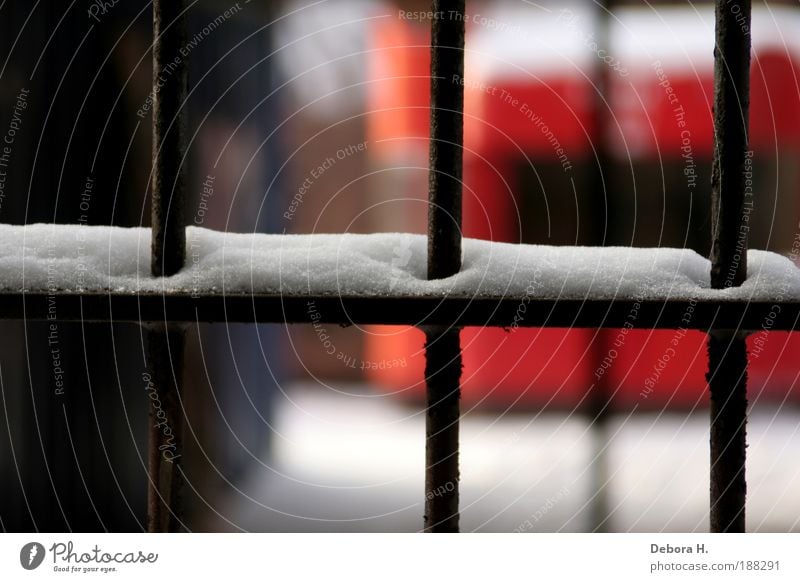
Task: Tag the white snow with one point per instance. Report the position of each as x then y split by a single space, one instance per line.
46 257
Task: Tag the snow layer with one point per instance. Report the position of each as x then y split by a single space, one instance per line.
45 257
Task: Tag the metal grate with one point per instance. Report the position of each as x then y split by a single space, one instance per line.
726 321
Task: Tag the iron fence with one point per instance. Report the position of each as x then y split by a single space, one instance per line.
165 315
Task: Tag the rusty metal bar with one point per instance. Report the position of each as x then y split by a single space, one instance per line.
598 407
165 344
731 206
442 348
434 310
165 341
443 375
446 139
169 137
727 355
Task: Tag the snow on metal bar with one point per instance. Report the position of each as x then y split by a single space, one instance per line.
85 259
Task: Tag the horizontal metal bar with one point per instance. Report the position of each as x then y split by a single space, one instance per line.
404 310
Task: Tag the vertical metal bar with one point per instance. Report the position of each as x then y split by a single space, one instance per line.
442 348
165 342
447 139
731 124
727 378
599 406
727 353
169 137
443 374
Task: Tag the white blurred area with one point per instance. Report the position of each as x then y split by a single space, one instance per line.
348 460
